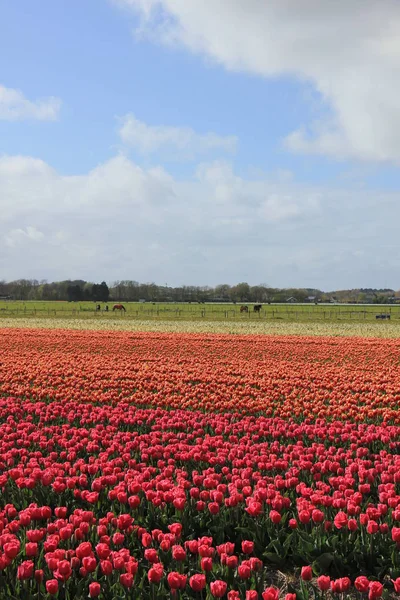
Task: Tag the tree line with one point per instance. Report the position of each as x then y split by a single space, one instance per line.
133 291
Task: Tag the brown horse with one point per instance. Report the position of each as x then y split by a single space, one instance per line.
244 309
119 307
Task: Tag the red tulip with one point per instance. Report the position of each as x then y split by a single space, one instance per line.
271 593
176 581
25 570
94 589
197 582
340 585
375 590
178 553
52 586
84 549
324 583
206 564
306 573
126 580
254 509
244 570
361 583
372 527
106 567
340 520
39 575
218 588
31 549
232 562
247 547
275 517
155 573
396 534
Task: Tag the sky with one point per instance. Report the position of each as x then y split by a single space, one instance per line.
190 142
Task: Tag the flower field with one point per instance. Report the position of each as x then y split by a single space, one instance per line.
175 465
384 329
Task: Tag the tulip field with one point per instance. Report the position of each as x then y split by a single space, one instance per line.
202 465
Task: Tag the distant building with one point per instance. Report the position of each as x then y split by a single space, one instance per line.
311 298
291 299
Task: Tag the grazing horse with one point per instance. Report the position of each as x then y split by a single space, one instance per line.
257 307
119 307
244 309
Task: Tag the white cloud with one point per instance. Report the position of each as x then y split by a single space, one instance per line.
348 51
16 237
120 221
183 141
15 107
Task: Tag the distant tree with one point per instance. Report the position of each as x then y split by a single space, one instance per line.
223 291
100 292
105 292
74 293
95 294
259 293
87 291
241 292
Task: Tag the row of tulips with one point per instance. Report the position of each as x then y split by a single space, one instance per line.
77 555
277 327
334 378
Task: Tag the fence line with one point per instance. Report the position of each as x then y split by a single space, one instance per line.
275 313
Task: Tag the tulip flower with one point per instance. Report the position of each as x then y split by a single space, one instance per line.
52 587
218 588
94 589
197 582
324 583
271 593
306 573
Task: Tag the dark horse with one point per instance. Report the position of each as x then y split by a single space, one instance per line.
119 307
244 309
257 307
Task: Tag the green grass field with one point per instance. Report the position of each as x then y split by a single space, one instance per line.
194 311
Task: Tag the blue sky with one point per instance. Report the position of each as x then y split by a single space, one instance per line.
197 143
